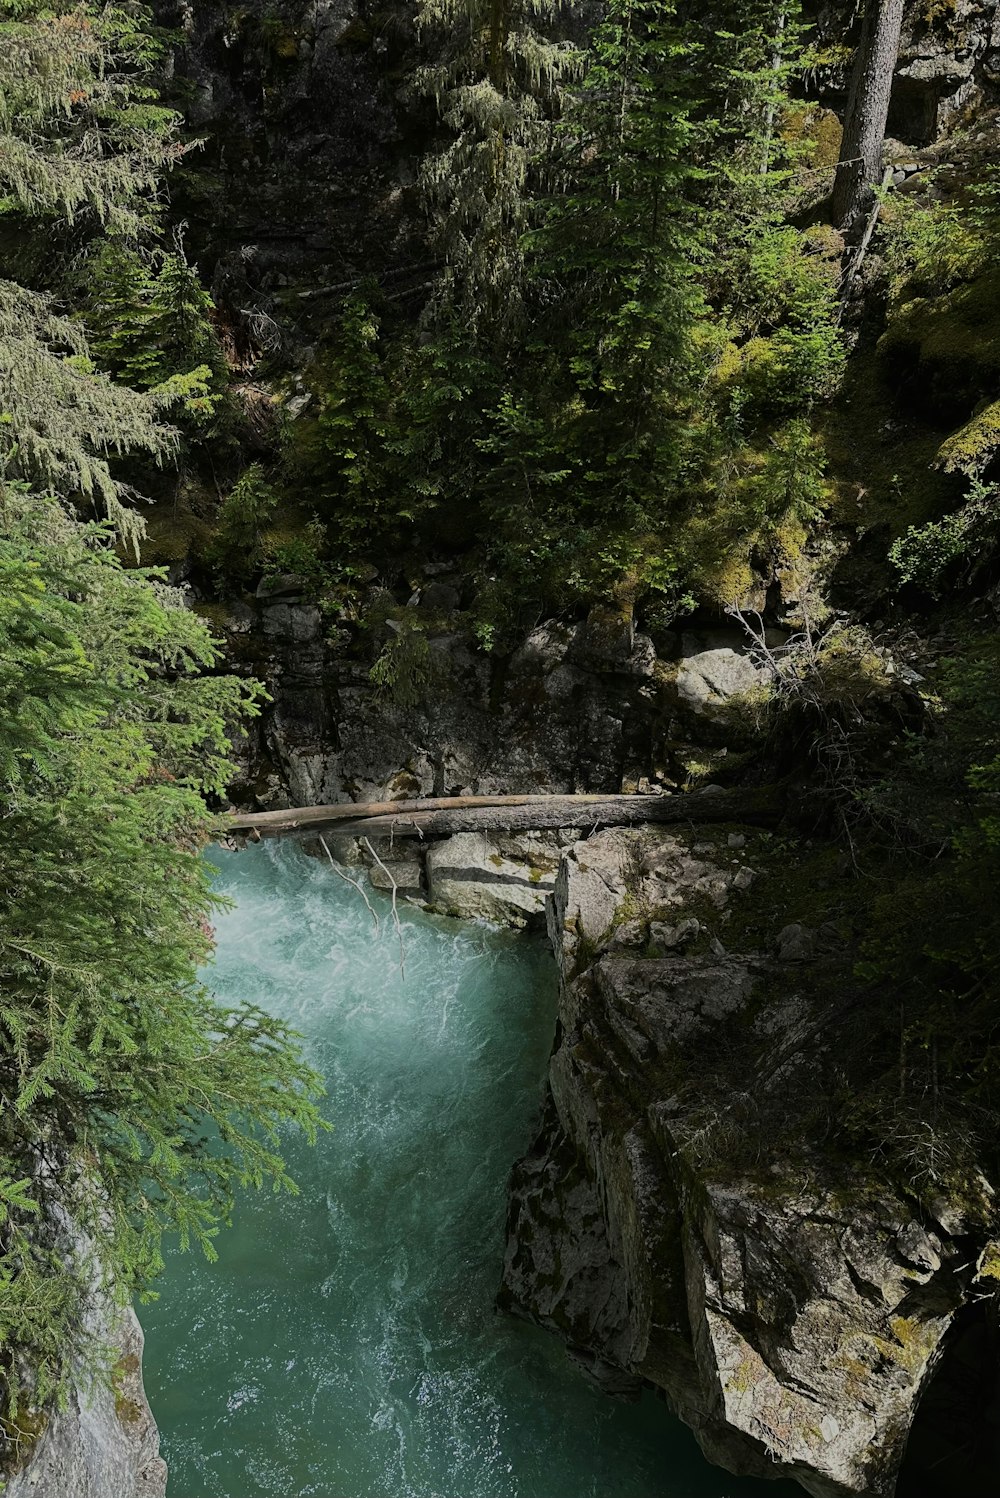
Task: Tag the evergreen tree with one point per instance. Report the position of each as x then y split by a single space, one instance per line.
620 239
494 77
83 142
586 440
61 422
149 324
82 134
132 1103
116 1065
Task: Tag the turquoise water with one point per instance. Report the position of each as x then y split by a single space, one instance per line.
346 1345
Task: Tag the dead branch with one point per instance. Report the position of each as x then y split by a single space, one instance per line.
355 884
443 816
395 911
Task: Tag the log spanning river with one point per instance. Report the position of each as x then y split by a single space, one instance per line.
346 1345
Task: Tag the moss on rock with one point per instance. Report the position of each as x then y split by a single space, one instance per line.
947 349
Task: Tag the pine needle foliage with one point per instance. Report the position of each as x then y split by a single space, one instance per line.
83 145
82 134
149 321
495 76
620 237
579 478
62 422
132 1101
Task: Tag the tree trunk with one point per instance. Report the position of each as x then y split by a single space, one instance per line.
447 815
860 169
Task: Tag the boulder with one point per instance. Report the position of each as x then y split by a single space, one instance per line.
674 938
796 944
717 665
628 878
506 880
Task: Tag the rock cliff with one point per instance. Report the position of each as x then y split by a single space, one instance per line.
591 706
681 1222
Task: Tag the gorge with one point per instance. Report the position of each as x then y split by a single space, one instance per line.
348 1341
566 441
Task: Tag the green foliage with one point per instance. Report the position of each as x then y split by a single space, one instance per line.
494 77
928 249
354 422
82 134
789 487
61 421
928 554
406 670
622 349
83 143
394 436
148 321
302 555
244 516
148 1102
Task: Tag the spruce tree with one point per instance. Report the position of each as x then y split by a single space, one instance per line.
83 136
494 75
116 1065
83 144
613 277
61 422
133 1104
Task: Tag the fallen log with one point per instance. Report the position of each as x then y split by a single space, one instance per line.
443 816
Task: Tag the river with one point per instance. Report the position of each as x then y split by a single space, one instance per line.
346 1344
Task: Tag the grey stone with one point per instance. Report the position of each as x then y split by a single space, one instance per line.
477 876
286 585
405 875
796 943
919 1247
673 938
298 623
784 1324
104 1444
716 666
440 598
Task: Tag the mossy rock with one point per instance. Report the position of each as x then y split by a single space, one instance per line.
173 533
357 33
946 349
816 131
973 447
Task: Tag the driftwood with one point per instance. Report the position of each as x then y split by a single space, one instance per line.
442 816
